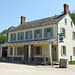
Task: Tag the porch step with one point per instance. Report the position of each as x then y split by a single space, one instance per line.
55 62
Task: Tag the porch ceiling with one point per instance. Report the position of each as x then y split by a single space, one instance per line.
30 41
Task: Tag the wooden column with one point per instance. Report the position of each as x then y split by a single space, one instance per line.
29 53
13 51
50 53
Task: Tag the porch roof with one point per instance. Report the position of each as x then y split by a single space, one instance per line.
31 41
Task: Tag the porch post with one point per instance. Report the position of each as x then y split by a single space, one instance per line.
29 53
50 53
13 51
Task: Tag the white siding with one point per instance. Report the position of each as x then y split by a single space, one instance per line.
68 41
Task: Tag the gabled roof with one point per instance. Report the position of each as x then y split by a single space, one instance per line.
40 22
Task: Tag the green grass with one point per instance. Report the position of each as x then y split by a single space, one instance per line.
72 63
3 58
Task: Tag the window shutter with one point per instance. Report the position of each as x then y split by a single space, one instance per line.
64 33
34 50
22 35
51 31
35 34
40 50
30 34
26 35
14 36
45 31
40 33
18 36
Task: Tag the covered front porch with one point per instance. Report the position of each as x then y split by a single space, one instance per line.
33 51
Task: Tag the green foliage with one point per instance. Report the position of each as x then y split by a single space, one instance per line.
3 38
73 17
72 63
4 35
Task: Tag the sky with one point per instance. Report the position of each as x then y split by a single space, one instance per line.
12 10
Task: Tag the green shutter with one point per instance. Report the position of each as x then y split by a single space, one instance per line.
45 31
40 33
18 36
22 35
51 31
35 34
15 36
26 35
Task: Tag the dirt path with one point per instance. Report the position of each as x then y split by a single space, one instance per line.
19 69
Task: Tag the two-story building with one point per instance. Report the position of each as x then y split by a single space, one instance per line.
37 39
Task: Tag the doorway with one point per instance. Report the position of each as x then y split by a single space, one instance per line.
54 53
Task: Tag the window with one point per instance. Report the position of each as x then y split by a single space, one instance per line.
74 51
38 50
21 36
63 50
11 51
48 32
38 34
63 31
28 35
13 37
65 21
71 23
19 51
73 35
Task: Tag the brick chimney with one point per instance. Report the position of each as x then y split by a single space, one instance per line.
66 9
22 19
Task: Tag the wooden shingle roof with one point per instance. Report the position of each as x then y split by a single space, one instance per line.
38 23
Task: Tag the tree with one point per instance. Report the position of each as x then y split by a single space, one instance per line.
73 17
4 35
3 38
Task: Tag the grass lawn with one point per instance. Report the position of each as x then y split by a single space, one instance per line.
72 63
3 58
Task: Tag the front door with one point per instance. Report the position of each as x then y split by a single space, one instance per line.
54 53
26 52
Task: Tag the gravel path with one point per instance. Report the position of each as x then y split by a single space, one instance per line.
19 69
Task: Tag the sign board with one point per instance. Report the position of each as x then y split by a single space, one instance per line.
61 35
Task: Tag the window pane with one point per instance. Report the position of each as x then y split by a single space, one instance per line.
74 35
37 34
64 50
19 51
48 32
37 50
28 35
21 36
